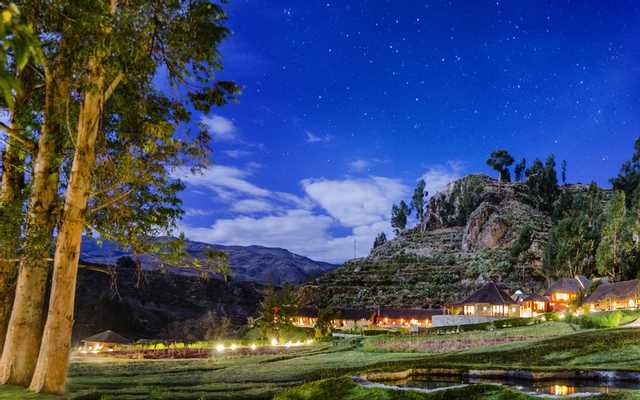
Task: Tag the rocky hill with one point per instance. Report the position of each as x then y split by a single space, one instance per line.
249 263
467 239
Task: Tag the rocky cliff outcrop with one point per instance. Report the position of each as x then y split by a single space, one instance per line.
470 230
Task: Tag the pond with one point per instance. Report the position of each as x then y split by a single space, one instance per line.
550 387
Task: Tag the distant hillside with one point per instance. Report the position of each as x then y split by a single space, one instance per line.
470 231
155 304
249 263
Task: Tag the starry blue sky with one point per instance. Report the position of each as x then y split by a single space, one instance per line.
346 104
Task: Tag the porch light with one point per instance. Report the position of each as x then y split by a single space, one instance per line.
253 347
220 348
274 342
233 347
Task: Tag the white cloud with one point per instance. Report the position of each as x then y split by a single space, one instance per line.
304 224
304 203
438 177
356 202
196 212
237 153
222 128
249 206
359 165
299 231
223 180
314 138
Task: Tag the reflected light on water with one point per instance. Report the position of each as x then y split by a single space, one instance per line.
561 390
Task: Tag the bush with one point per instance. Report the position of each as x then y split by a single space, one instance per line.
609 319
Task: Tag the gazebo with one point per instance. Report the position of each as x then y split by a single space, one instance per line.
104 341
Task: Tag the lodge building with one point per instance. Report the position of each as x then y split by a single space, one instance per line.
388 317
565 291
491 300
614 296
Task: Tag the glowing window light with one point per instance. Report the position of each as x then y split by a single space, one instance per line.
298 343
632 303
253 347
233 347
220 348
274 342
309 341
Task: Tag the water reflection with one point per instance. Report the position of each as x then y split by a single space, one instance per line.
561 390
554 388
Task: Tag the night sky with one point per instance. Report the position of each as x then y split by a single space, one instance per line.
347 104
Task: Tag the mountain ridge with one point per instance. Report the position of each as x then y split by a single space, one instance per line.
252 263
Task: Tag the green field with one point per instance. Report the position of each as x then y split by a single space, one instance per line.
550 346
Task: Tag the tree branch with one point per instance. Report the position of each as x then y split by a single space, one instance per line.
111 202
15 134
112 87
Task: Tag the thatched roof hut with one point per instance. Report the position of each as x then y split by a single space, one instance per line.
106 338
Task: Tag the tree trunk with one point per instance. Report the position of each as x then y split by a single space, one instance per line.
25 326
53 360
11 213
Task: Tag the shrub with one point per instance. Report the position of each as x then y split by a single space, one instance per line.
599 320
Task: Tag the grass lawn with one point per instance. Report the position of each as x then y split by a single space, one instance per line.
263 376
467 340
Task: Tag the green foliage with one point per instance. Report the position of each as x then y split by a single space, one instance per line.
575 235
519 169
523 242
613 244
380 240
500 161
543 182
564 171
324 322
468 193
598 320
277 308
418 200
628 179
573 244
399 215
18 44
